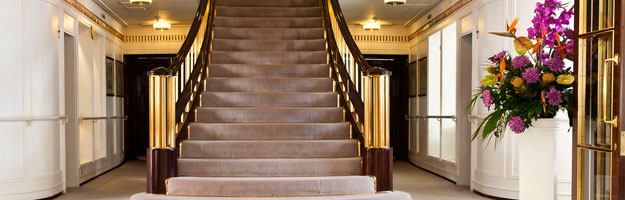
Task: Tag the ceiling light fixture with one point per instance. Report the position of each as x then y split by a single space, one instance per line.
140 2
161 26
373 25
395 2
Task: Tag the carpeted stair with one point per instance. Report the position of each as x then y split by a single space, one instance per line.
269 124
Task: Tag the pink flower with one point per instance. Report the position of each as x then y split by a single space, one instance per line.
554 96
487 98
531 75
520 61
555 64
516 124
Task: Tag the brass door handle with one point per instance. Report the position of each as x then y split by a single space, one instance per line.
615 60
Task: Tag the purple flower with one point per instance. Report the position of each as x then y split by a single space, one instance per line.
516 124
520 61
554 96
546 20
531 75
498 56
569 46
555 64
487 98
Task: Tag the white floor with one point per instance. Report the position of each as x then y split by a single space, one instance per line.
129 179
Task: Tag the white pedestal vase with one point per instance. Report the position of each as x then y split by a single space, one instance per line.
537 160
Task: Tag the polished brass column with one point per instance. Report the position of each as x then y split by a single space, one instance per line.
377 108
161 156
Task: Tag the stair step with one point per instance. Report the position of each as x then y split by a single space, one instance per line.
269 57
269 99
226 11
268 33
270 71
272 3
270 186
269 131
269 22
277 114
268 85
394 195
268 45
269 167
269 148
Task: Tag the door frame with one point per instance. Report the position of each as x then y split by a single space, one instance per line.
617 158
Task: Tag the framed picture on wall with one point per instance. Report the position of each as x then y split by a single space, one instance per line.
412 79
422 76
119 78
110 79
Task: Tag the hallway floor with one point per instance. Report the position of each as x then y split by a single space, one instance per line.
128 179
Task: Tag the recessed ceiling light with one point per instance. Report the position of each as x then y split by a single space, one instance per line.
140 2
161 26
395 2
373 25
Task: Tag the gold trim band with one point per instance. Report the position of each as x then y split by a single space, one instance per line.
451 10
94 18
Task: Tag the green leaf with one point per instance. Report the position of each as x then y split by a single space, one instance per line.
490 126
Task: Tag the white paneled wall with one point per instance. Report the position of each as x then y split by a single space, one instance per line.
38 156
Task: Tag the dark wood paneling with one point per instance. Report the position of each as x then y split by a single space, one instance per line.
379 163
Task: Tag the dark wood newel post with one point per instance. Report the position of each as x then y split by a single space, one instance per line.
377 153
161 155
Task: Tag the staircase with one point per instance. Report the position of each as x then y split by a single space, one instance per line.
269 123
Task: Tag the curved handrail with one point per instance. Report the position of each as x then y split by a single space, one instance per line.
191 36
188 70
347 36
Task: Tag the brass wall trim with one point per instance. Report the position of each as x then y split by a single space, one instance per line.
451 10
154 38
380 38
94 18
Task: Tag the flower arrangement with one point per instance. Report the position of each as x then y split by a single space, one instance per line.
535 83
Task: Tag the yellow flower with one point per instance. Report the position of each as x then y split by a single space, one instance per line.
517 81
489 80
565 79
490 69
548 77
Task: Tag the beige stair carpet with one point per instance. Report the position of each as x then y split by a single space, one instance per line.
269 124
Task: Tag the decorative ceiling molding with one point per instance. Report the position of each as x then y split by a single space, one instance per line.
451 10
94 18
380 38
154 38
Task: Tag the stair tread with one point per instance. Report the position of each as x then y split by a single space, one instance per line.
270 186
333 148
395 195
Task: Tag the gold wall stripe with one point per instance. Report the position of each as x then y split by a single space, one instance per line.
380 38
451 10
94 18
154 38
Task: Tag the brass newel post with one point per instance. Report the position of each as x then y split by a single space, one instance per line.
378 153
161 155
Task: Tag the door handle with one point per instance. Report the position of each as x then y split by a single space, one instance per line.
615 61
622 143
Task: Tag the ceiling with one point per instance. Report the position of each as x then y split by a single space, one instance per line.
362 11
181 12
175 12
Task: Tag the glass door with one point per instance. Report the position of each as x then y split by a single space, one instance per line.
441 98
598 64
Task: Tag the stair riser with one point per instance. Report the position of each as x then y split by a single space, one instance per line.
269 99
268 33
268 167
269 71
269 85
250 22
270 149
268 58
279 131
286 12
268 45
218 115
272 3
